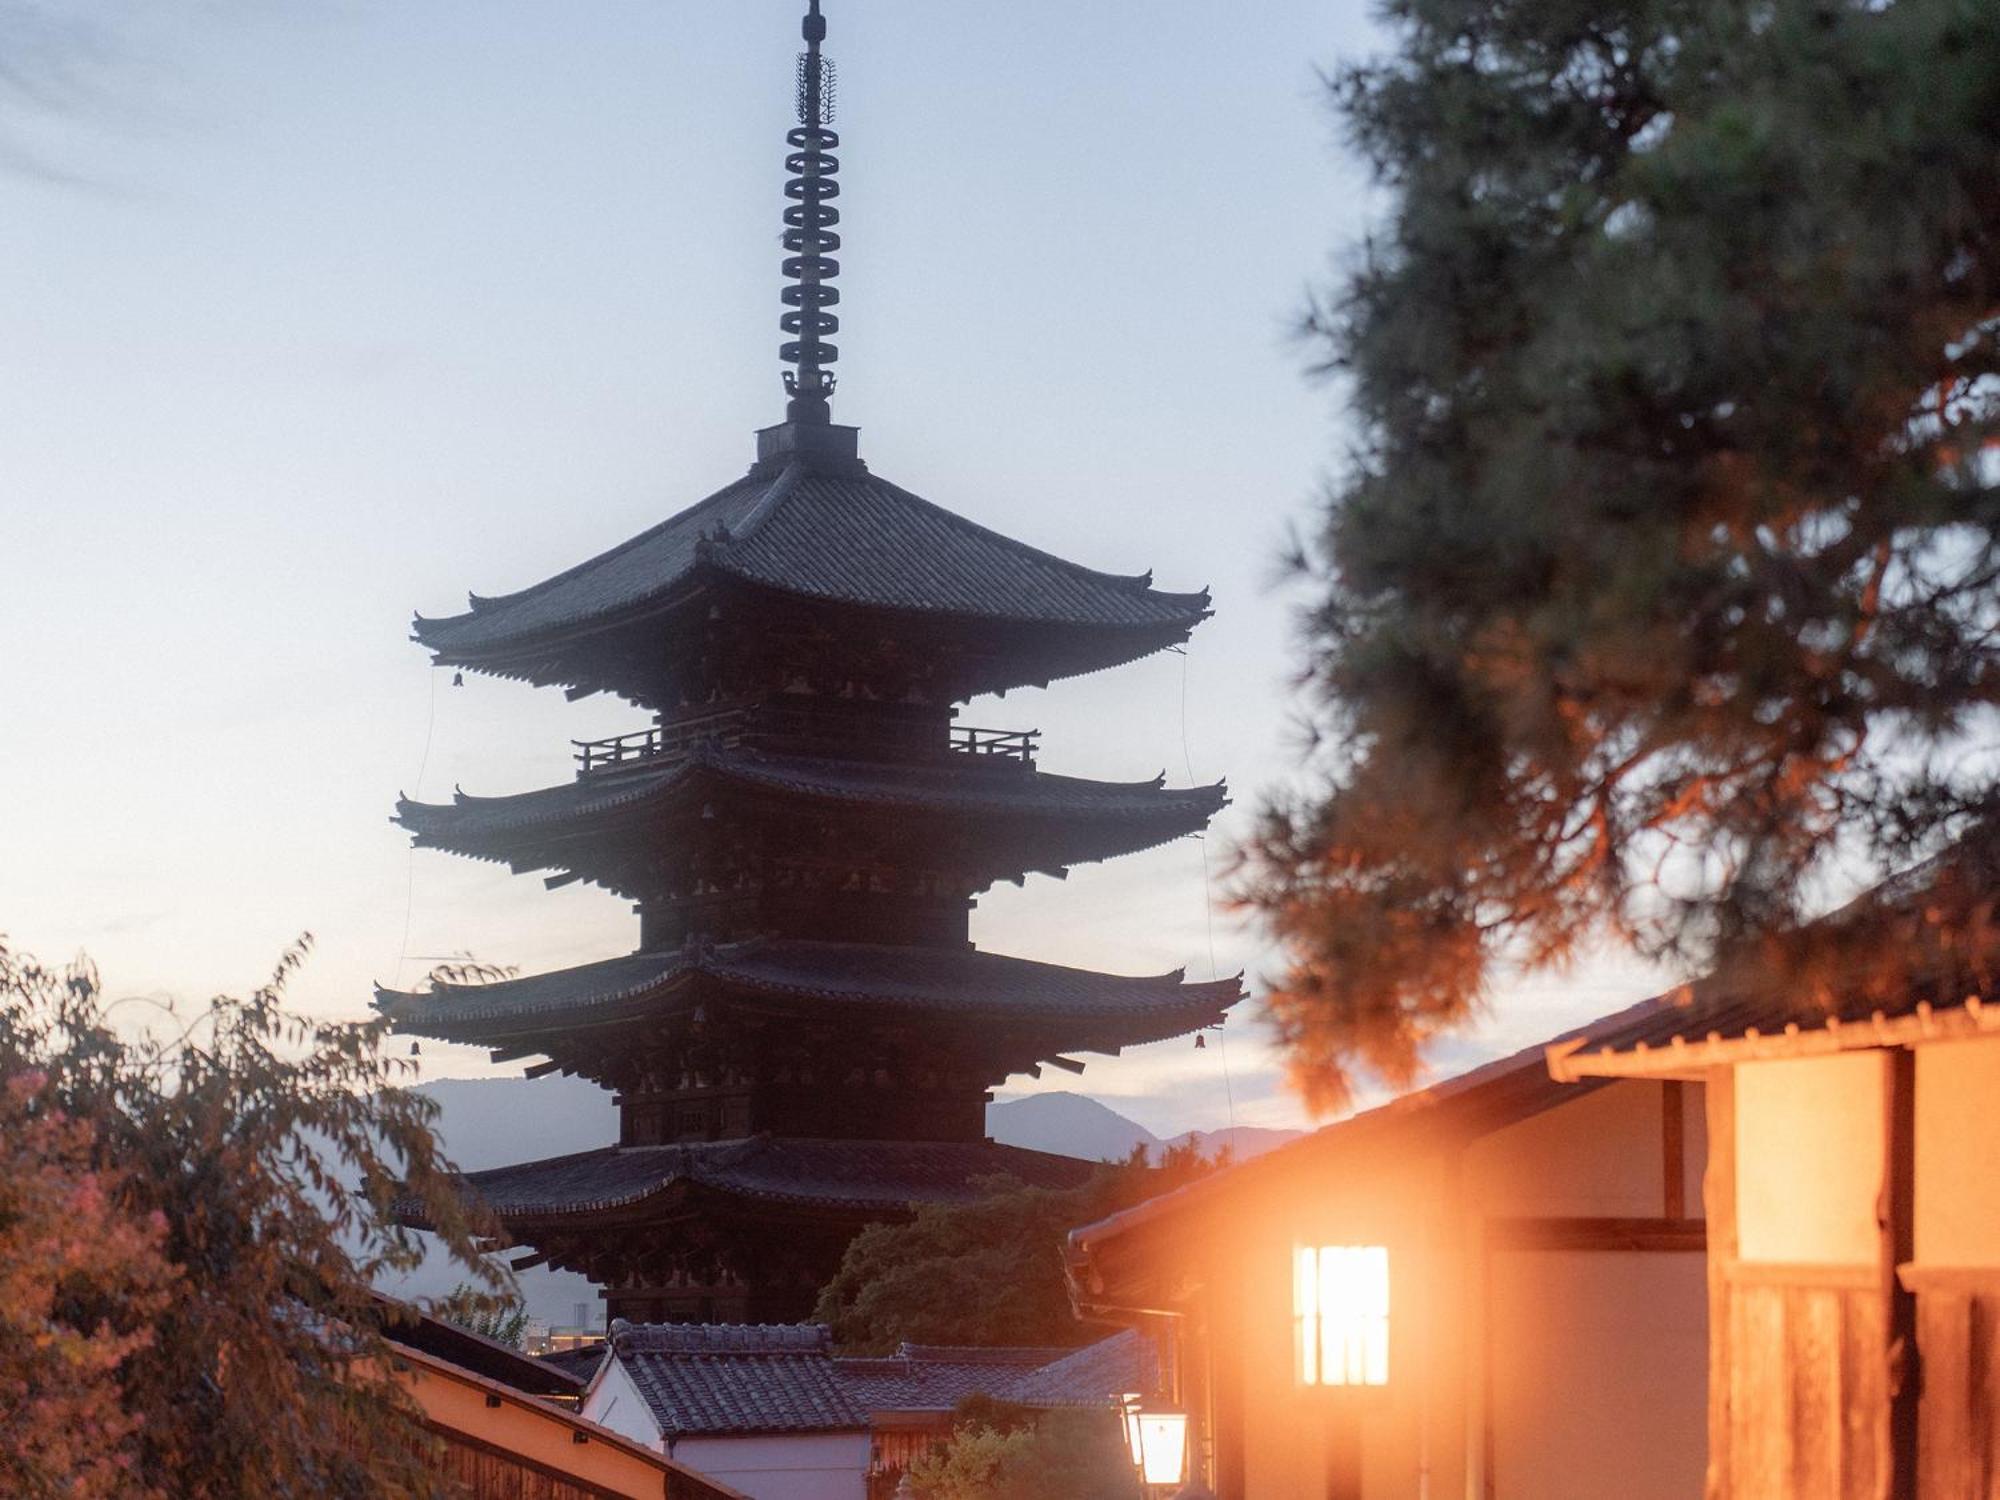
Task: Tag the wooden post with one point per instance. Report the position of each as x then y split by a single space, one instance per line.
1343 1451
1673 1144
1897 1218
1226 1335
1489 1447
1719 1202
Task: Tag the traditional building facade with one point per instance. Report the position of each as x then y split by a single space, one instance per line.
1488 1290
774 1411
507 1426
805 1038
1853 1195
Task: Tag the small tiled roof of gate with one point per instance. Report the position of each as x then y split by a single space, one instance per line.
969 983
969 789
837 1175
1094 1375
846 537
935 1378
721 1379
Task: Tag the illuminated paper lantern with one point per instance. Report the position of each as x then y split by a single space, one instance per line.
1163 1445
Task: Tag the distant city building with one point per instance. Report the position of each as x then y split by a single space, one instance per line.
805 1040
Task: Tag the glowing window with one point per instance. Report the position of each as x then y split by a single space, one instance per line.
1340 1305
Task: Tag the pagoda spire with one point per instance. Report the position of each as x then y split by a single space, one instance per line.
810 238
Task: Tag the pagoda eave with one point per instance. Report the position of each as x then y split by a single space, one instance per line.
1031 1009
822 539
834 1179
1006 822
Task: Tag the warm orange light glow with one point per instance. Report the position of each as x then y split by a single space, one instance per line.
1340 1303
1163 1439
1130 1408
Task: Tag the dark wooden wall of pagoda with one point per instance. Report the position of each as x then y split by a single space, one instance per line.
708 1263
728 1076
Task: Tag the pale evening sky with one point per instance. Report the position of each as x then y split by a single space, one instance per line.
312 317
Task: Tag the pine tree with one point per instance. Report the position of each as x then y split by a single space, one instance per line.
1658 593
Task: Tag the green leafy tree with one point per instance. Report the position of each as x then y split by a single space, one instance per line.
1073 1455
229 1181
1658 594
1058 1455
987 1272
503 1319
966 1465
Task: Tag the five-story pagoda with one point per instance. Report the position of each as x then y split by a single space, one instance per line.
804 1040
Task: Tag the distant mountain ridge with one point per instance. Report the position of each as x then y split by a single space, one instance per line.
491 1122
1077 1125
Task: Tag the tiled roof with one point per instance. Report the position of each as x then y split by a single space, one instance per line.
1092 1376
494 827
965 983
483 1356
719 1379
1920 948
720 1338
934 1378
848 537
580 1361
858 1176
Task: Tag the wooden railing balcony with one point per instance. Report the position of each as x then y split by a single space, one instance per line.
800 733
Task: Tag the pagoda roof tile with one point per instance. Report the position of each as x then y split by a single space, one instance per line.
843 537
852 1176
986 986
973 789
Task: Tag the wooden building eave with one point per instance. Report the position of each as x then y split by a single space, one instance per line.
1679 1056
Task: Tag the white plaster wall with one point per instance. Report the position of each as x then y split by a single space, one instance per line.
1809 1158
1601 1156
780 1466
613 1401
1958 1153
1594 1350
1288 1430
809 1466
1600 1376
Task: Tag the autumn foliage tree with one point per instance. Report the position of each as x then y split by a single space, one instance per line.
1657 596
191 1219
81 1280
